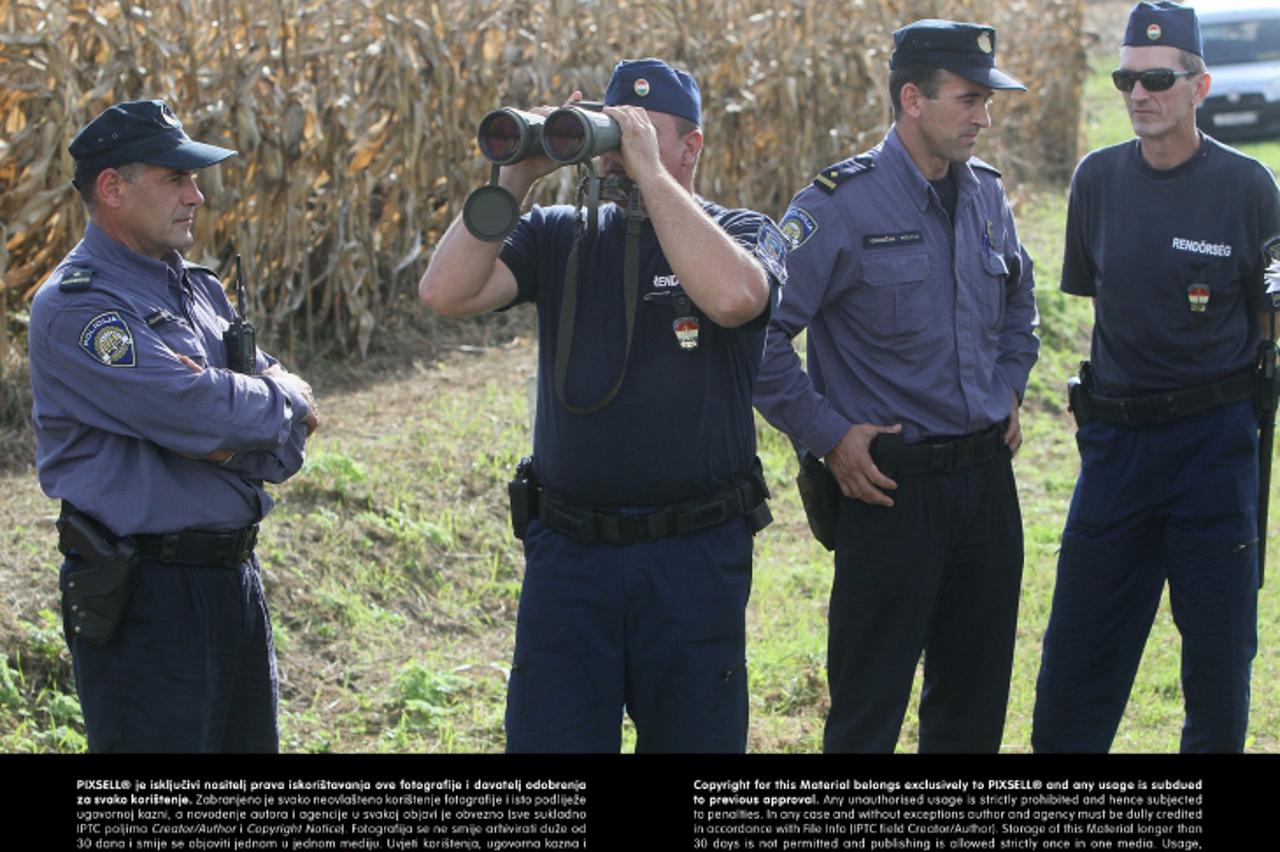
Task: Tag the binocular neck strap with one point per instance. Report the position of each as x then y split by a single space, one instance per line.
569 311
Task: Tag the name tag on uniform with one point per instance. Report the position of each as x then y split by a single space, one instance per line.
906 238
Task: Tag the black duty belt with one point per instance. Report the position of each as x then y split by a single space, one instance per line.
895 457
189 547
588 523
1158 408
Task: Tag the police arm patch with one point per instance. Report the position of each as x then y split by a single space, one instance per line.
797 226
771 249
107 339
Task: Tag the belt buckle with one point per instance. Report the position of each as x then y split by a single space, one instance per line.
966 452
942 457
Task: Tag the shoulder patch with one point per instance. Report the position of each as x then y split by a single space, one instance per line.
797 226
771 249
1272 249
108 340
831 177
76 279
984 165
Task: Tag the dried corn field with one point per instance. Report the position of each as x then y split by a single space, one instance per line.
355 119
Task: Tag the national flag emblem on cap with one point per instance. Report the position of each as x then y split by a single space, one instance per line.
642 87
984 42
1153 32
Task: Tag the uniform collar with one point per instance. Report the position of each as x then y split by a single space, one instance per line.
99 244
913 180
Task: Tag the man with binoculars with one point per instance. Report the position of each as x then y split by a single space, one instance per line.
638 506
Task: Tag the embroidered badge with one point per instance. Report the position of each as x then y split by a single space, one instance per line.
109 341
686 322
686 329
642 87
771 248
984 42
906 238
1153 32
797 226
1198 297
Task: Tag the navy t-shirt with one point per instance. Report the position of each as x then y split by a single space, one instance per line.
681 426
1168 255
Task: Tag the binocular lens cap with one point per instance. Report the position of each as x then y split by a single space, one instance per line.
490 213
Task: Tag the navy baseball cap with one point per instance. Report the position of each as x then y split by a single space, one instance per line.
138 132
965 49
655 85
1164 23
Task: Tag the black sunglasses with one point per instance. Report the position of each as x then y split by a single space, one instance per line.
1153 79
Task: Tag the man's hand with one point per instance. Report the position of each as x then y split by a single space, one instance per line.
850 462
517 178
1013 434
639 140
297 383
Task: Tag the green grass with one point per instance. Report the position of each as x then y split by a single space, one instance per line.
394 579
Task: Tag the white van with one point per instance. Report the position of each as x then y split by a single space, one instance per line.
1242 52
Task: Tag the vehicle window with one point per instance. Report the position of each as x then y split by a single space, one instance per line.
1241 41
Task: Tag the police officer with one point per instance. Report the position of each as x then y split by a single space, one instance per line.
1165 233
906 268
638 559
158 453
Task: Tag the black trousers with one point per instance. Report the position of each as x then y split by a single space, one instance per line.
938 573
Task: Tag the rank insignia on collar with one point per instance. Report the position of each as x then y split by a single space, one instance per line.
108 340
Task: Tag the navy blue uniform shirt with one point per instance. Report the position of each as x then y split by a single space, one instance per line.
681 426
123 428
1168 260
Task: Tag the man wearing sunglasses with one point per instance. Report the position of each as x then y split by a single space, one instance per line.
1165 233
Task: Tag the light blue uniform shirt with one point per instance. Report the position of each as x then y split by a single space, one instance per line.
123 428
910 320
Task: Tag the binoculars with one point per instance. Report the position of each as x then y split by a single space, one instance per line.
568 136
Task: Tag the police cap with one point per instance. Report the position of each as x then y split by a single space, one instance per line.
965 49
1164 23
653 84
138 132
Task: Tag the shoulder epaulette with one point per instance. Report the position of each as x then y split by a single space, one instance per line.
985 166
830 178
76 279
